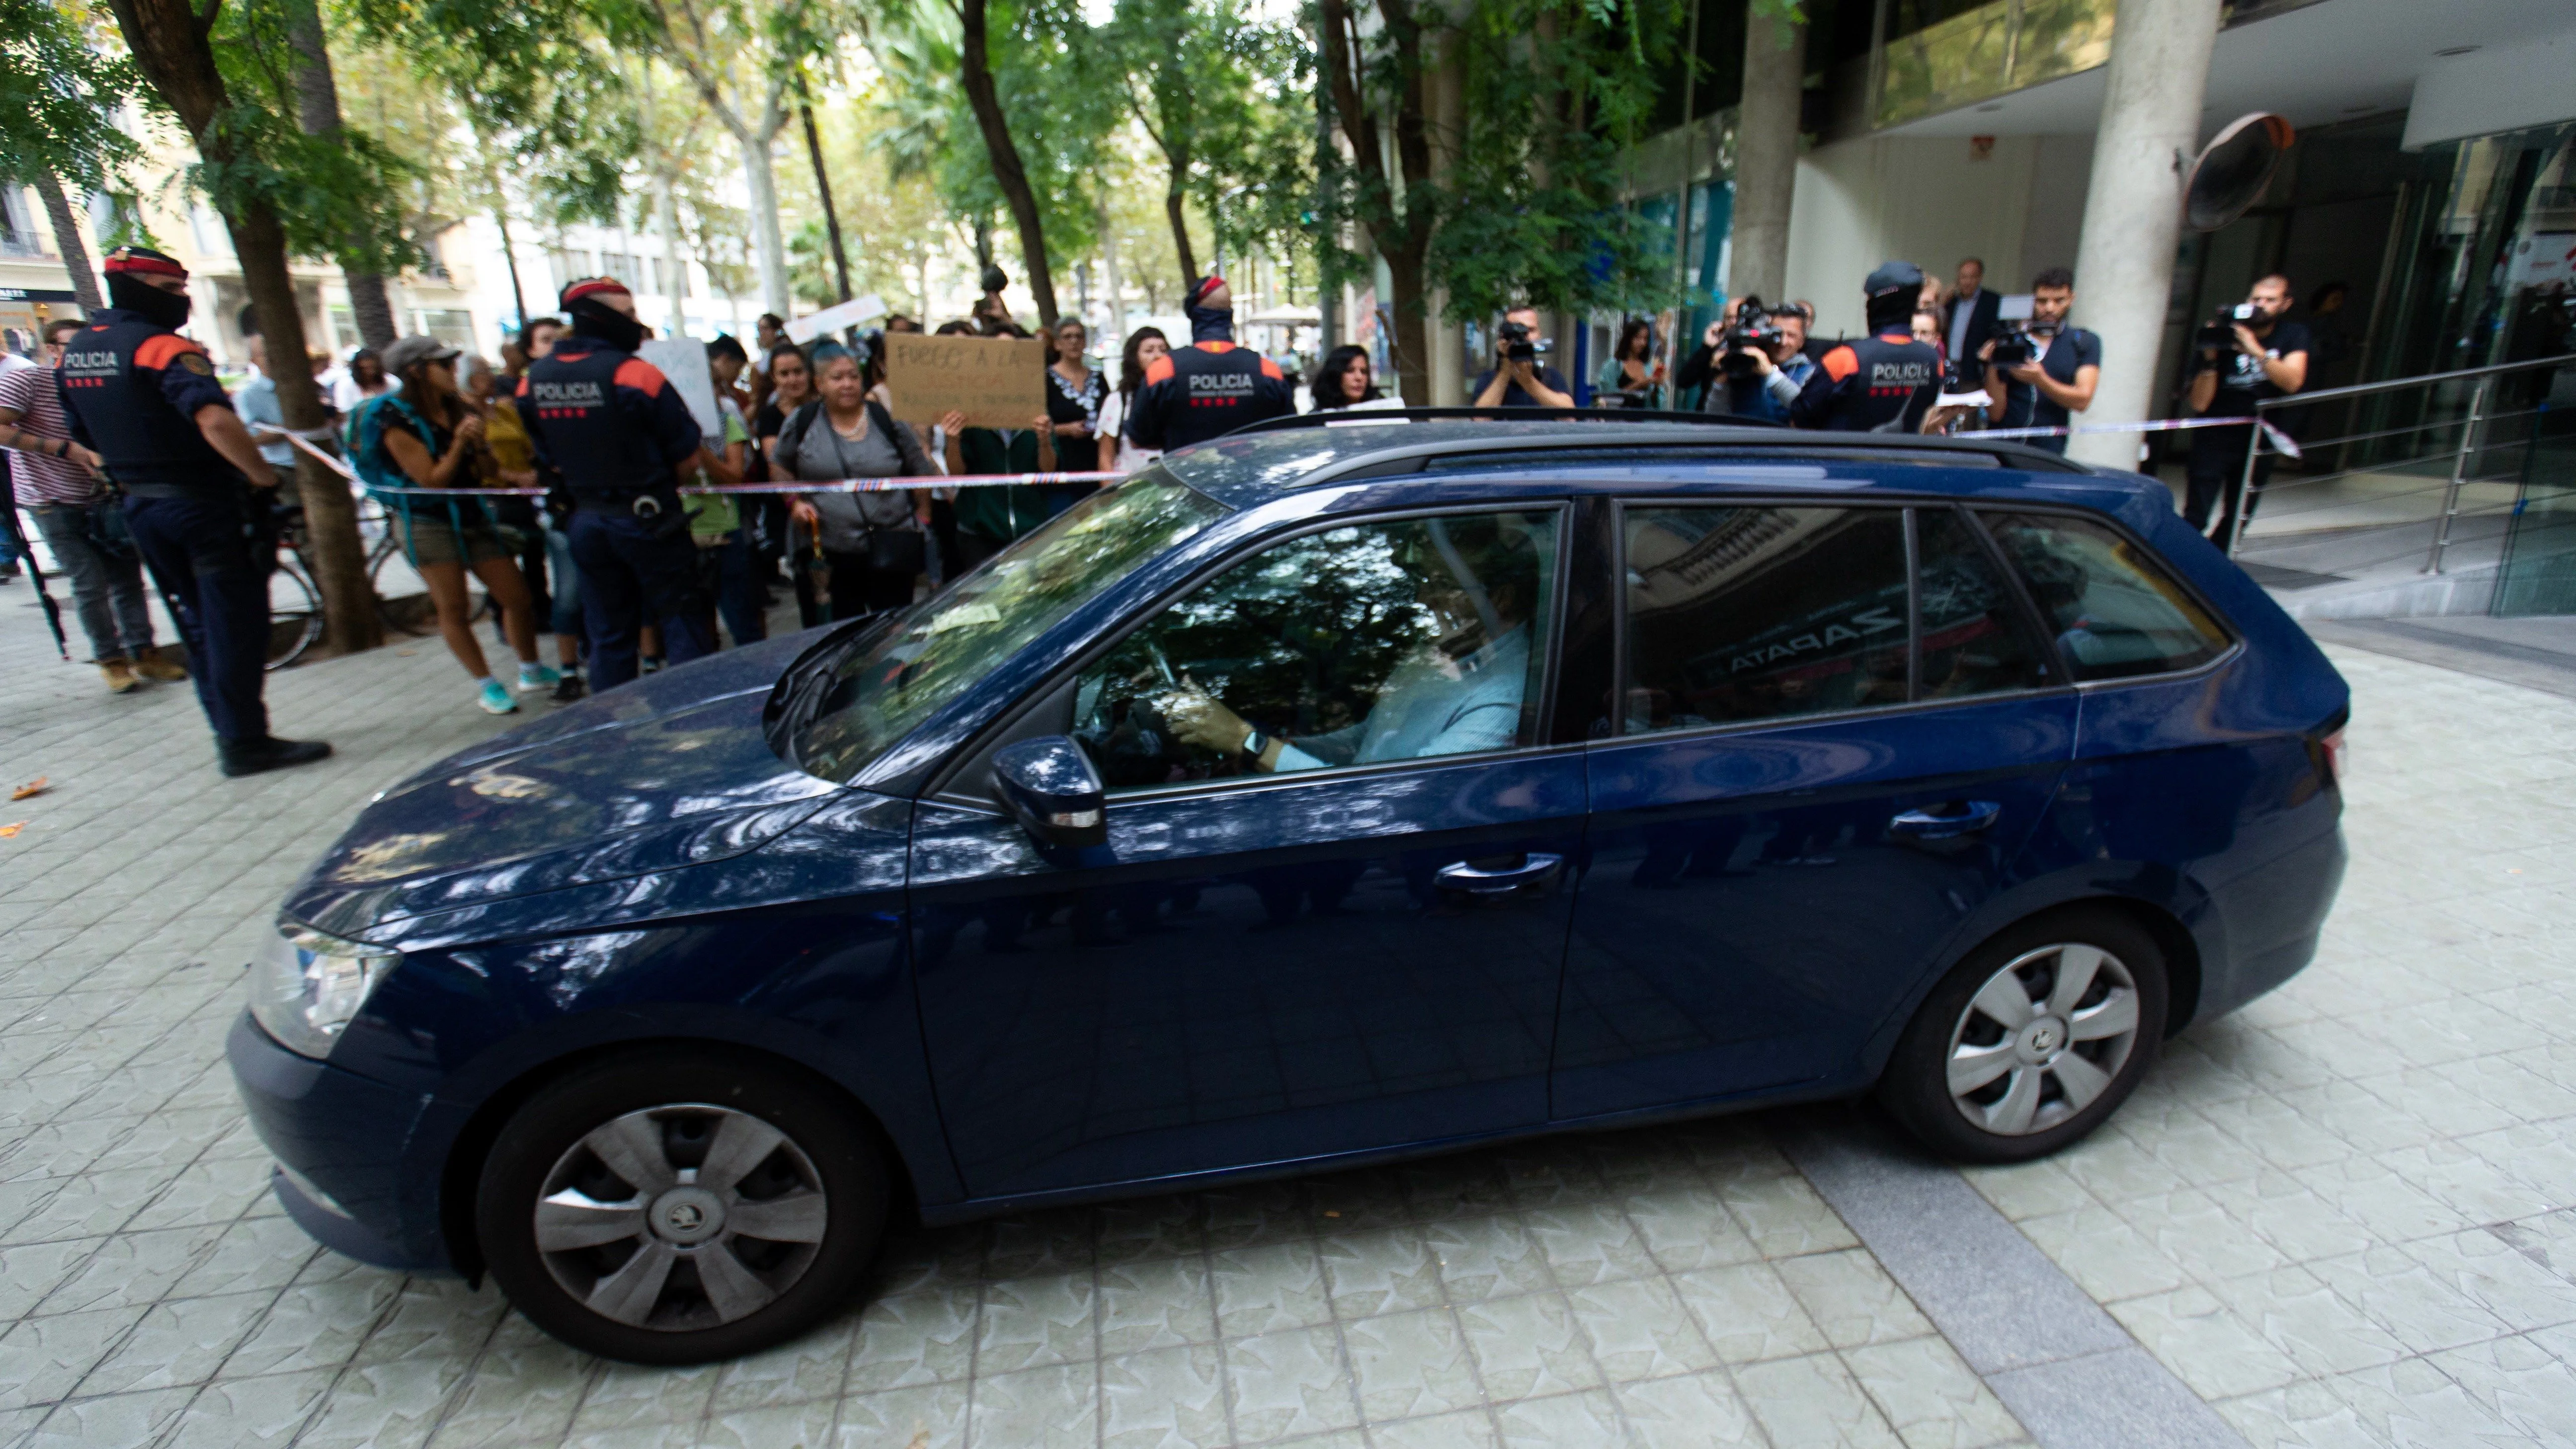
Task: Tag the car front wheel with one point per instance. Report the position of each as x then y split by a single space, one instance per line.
680 1207
2032 1041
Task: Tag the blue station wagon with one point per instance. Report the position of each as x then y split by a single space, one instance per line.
1322 795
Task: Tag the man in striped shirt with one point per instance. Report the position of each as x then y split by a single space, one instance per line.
55 482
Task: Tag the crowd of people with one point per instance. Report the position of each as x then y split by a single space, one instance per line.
601 549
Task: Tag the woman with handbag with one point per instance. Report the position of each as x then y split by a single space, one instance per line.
871 544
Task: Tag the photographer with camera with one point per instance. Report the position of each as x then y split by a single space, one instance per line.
2043 370
1751 361
1886 382
2246 355
1518 378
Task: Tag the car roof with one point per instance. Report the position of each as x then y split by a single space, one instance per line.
1247 469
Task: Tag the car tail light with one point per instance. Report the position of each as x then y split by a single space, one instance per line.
2331 755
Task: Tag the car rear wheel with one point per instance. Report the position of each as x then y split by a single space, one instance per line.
680 1207
2032 1041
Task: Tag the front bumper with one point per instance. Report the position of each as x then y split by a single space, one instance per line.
343 1141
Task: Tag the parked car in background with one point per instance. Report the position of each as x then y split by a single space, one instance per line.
1318 796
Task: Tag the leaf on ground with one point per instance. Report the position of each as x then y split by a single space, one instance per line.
35 786
10 831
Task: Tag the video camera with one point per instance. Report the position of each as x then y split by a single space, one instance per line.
2215 337
1753 331
2021 339
1517 344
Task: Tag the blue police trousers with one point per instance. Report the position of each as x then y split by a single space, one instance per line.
212 566
632 573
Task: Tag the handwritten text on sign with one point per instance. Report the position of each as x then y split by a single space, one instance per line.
997 382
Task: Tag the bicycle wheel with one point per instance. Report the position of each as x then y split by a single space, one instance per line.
294 613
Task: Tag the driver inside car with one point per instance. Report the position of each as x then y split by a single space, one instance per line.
1459 691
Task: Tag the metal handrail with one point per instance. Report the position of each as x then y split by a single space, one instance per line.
2301 399
2470 428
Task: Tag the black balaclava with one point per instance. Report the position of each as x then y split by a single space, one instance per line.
144 300
1208 324
597 320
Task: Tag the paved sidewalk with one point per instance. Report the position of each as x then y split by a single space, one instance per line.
2345 1217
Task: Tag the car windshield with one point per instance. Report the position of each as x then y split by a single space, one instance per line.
878 693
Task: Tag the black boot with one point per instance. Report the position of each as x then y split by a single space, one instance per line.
252 757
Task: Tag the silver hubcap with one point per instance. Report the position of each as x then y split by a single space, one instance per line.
2043 1038
681 1217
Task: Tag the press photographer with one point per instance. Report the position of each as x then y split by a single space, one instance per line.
1520 378
1751 362
2247 354
2043 370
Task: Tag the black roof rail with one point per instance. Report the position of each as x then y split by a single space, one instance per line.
1749 433
1327 417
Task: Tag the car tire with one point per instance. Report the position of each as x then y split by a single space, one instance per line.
2032 1041
678 1207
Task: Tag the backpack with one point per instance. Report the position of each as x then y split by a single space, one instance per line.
364 438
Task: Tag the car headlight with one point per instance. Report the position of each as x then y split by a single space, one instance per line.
308 985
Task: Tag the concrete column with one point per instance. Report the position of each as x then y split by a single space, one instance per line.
2133 207
1766 156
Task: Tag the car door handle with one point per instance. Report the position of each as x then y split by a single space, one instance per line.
1477 878
1966 818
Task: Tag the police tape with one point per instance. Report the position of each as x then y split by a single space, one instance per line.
830 485
2281 442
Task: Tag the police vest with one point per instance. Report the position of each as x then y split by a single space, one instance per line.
1208 390
569 402
112 381
1878 381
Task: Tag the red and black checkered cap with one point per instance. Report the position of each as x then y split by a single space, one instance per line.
144 260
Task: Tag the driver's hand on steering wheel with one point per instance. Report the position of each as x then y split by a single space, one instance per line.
1199 718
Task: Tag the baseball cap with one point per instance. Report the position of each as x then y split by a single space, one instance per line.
1891 278
1202 287
416 348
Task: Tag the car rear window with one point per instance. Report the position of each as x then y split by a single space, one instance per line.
2115 610
1741 614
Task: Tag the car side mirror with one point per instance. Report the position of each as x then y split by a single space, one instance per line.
1049 786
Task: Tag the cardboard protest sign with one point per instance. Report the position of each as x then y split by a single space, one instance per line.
684 361
997 382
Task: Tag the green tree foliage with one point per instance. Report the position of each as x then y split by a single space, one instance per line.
1556 93
59 97
339 194
535 83
1226 99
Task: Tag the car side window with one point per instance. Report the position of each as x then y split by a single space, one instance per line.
2115 610
1407 639
1973 639
1752 613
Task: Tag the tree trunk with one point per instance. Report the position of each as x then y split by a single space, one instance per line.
1401 236
1109 273
1173 192
170 47
510 255
769 245
823 184
1008 172
67 240
1766 156
317 113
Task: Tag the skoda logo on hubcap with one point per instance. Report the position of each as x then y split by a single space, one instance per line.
687 1215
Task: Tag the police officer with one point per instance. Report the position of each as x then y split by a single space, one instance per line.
1211 387
611 431
197 492
1884 383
